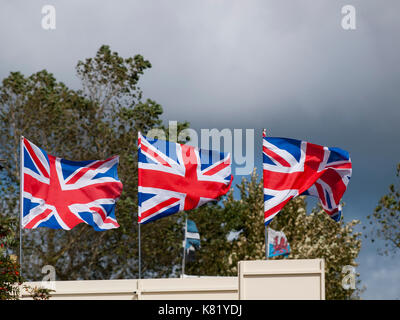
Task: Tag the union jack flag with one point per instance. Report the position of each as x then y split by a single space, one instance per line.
59 194
294 167
175 177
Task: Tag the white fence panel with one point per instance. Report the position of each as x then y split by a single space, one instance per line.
264 279
282 279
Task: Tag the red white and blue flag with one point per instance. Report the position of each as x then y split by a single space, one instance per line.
59 194
294 167
174 177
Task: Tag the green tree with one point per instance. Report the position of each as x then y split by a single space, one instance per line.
99 120
385 220
238 234
10 279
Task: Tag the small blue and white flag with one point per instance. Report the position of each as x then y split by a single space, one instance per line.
192 236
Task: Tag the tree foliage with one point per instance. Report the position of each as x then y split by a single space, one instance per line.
385 219
10 278
99 120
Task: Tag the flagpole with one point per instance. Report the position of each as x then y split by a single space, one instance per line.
140 255
21 199
266 242
265 227
139 235
184 249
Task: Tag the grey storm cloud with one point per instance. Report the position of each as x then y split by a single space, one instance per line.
287 66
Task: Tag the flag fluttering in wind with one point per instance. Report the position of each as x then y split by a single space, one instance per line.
59 194
294 167
277 244
174 177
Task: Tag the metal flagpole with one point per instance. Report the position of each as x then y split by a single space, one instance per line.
184 249
21 199
139 236
266 242
266 227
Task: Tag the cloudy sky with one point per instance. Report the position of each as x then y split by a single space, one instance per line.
288 66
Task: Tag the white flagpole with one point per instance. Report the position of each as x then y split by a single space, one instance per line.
184 249
266 227
21 186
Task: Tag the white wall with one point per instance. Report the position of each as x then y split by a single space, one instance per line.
271 279
282 279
